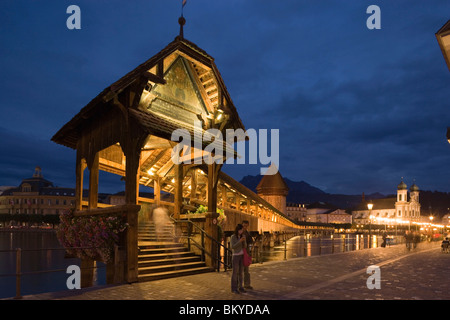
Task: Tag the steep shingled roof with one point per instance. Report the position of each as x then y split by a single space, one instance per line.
272 185
68 135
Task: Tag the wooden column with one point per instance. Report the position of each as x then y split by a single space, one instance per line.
88 265
178 196
211 227
157 190
132 143
131 197
237 202
193 184
224 196
79 172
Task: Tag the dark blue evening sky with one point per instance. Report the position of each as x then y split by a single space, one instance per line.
357 109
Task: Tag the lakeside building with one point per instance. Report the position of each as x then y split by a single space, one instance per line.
318 212
403 209
37 195
321 212
296 211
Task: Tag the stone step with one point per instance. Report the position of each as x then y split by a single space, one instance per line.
172 273
166 261
171 267
160 257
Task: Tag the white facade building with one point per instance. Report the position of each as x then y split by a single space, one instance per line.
405 208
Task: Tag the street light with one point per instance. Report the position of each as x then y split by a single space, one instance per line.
431 230
370 207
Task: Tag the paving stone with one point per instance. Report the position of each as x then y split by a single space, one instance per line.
416 275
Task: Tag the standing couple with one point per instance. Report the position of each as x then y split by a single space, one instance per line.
241 240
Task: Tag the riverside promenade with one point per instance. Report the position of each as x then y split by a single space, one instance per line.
419 274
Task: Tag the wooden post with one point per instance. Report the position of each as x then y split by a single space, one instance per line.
87 273
178 197
131 196
157 190
224 196
211 227
18 273
79 175
193 184
237 202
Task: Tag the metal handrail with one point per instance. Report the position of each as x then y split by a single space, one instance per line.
227 251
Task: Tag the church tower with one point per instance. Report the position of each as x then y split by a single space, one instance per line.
402 200
414 208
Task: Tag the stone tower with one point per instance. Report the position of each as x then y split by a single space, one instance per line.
274 190
402 200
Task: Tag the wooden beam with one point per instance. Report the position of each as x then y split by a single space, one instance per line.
156 159
160 69
154 78
165 169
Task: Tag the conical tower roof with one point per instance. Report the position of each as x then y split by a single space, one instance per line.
272 185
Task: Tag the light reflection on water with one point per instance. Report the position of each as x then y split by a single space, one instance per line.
301 246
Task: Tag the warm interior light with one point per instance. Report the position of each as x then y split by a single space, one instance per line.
219 114
370 206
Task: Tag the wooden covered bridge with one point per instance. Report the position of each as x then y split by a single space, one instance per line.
127 130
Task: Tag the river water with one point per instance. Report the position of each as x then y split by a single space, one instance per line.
306 246
41 253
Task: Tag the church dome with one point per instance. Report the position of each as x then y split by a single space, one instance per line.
402 186
414 187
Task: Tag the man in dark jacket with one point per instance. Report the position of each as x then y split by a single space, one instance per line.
249 241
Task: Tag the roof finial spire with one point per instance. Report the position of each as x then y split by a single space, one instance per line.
182 20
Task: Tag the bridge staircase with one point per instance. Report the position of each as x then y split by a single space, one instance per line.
162 255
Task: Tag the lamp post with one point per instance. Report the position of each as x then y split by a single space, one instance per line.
370 207
431 230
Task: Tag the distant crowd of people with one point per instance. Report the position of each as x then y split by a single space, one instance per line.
412 238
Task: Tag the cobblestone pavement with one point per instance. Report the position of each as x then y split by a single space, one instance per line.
405 275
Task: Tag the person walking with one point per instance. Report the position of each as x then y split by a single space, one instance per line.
249 241
238 243
408 239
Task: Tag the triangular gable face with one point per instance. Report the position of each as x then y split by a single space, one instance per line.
179 99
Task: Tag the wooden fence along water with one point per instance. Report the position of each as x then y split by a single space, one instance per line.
296 247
